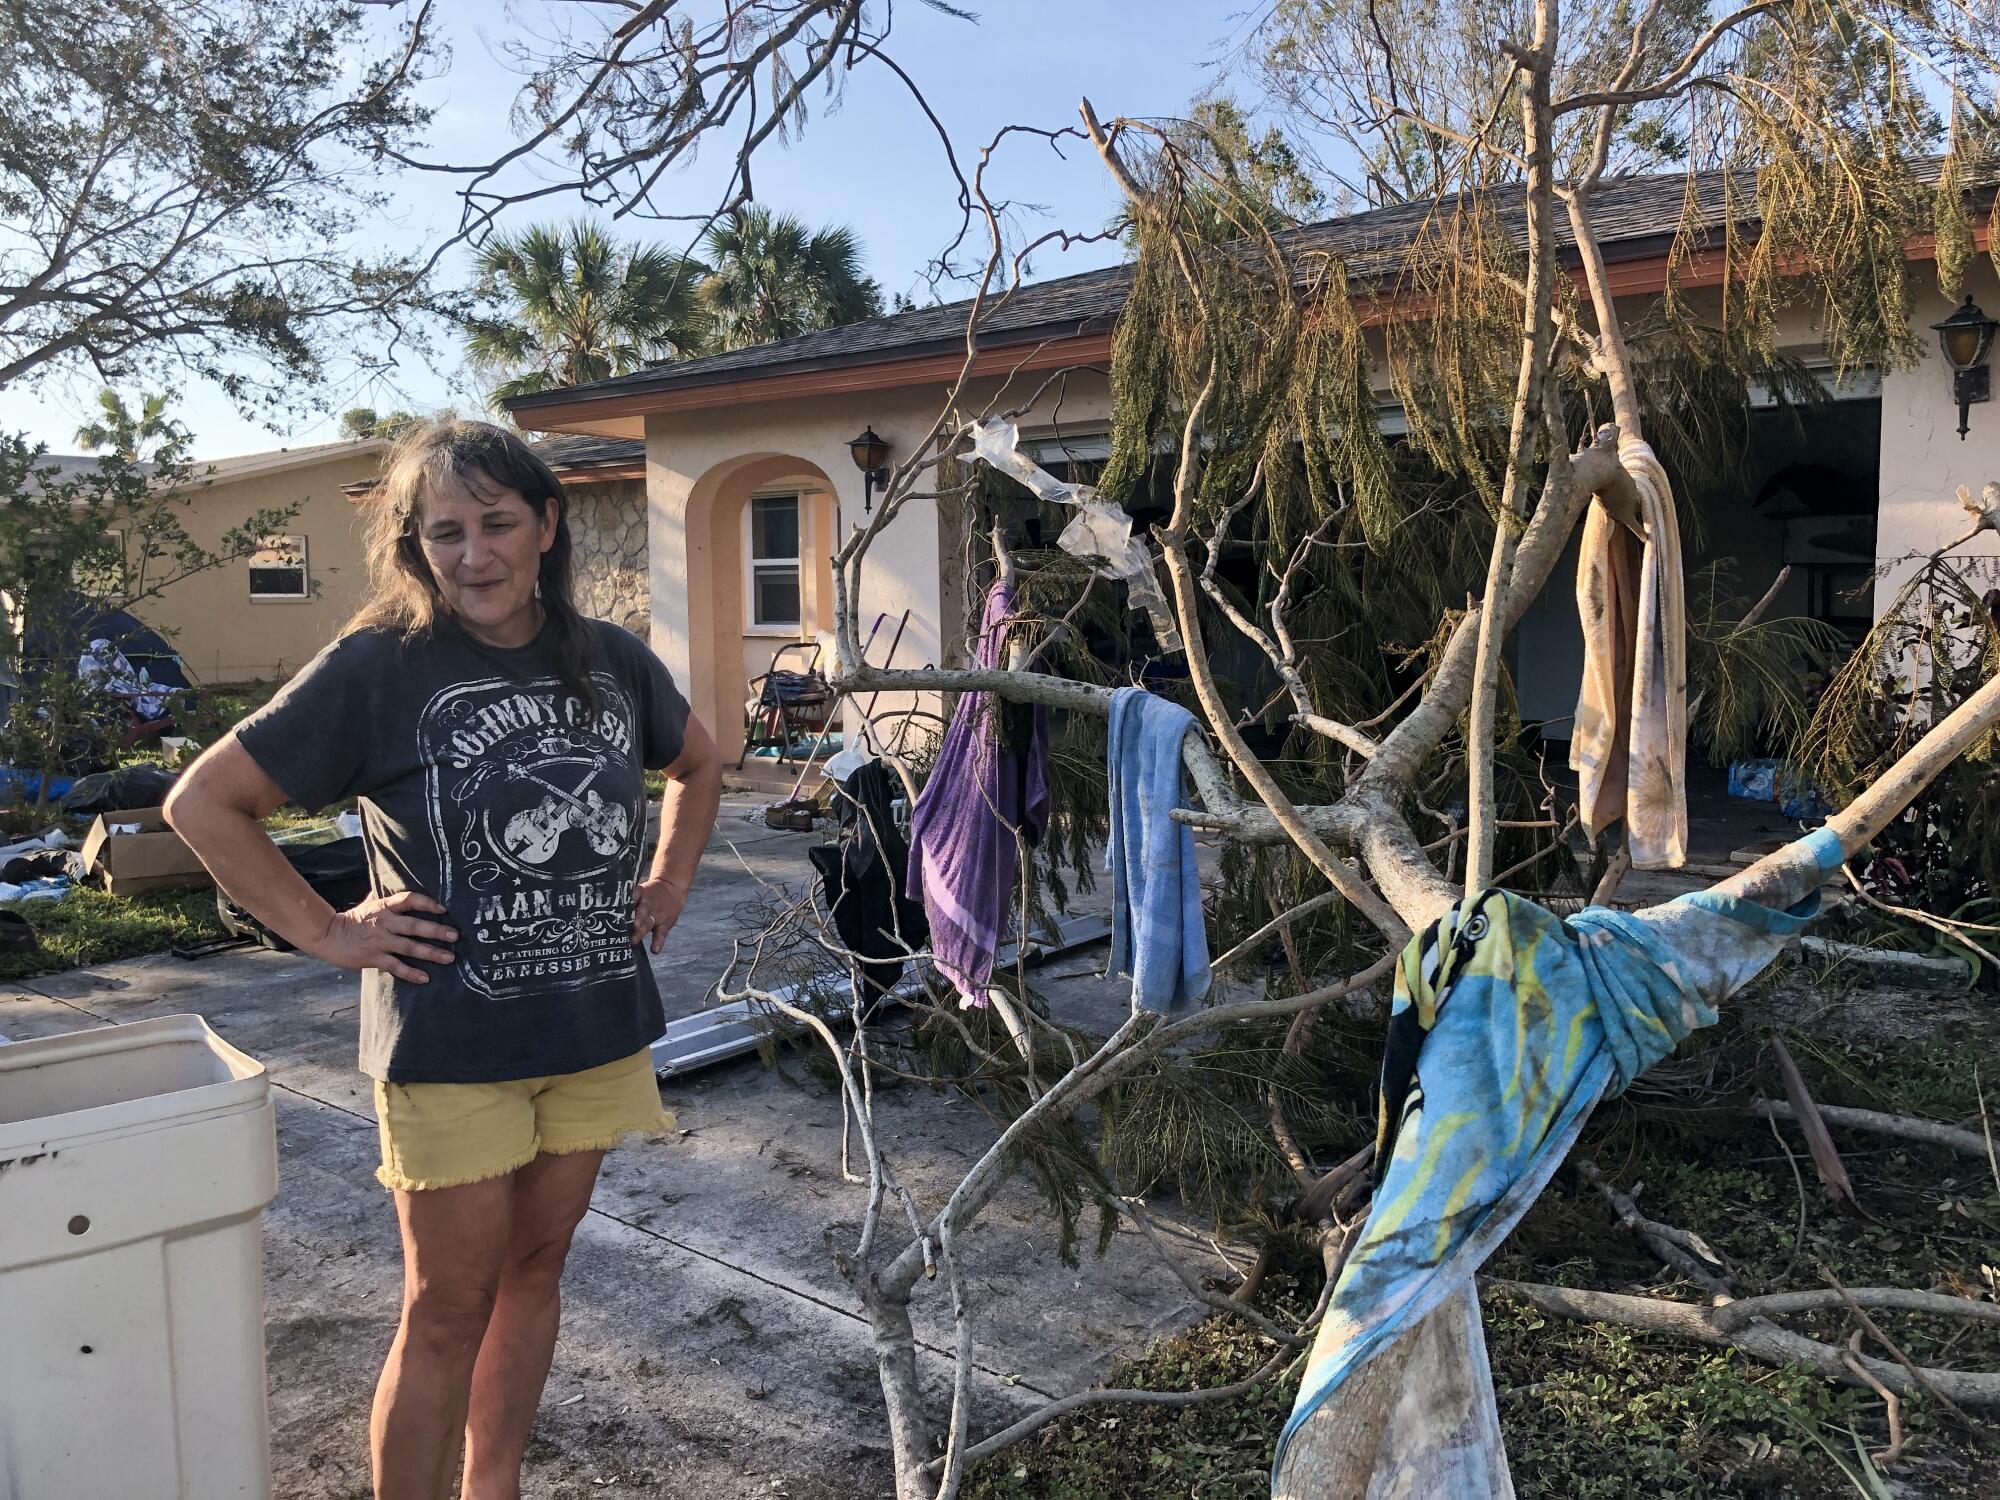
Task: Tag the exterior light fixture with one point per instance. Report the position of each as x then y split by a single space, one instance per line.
871 457
1966 337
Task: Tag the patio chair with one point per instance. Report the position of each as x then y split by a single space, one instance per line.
788 707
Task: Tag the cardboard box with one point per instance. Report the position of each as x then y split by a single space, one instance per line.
153 859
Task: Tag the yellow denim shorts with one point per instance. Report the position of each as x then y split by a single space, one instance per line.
439 1135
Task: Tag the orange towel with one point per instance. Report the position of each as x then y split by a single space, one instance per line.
1629 743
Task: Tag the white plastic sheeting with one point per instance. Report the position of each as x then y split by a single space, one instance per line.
1099 530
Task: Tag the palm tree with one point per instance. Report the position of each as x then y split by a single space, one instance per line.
575 305
774 278
125 432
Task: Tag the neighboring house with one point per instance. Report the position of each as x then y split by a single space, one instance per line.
264 617
749 480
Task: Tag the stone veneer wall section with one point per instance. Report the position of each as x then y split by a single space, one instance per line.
607 528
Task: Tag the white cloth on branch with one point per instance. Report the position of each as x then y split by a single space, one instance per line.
1629 742
104 667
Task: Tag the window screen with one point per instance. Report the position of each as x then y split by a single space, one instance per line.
774 560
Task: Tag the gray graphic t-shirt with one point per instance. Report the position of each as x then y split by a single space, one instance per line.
488 786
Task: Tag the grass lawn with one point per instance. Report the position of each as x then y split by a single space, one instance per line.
225 705
91 926
1599 1411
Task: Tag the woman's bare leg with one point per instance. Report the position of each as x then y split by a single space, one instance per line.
454 1250
551 1195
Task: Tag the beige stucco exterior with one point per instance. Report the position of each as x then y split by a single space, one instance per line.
705 459
222 634
704 467
1924 460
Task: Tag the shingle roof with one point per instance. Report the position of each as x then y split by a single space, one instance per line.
211 471
66 466
217 470
1634 217
574 457
577 451
1067 304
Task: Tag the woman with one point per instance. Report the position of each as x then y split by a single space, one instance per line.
497 740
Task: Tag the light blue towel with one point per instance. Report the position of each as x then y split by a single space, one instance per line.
1157 935
1508 1025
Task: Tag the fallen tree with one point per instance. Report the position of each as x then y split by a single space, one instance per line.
1380 783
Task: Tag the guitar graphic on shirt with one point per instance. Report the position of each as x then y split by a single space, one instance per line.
535 833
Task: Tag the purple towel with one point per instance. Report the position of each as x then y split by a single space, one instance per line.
962 853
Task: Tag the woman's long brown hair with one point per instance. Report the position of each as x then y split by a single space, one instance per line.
404 598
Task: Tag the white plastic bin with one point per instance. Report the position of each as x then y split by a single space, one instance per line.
135 1164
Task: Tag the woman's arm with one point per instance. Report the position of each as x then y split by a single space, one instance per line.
217 807
687 815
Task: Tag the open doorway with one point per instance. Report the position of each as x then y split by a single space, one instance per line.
1803 496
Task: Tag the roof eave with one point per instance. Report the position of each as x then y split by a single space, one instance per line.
600 471
263 465
1060 345
1639 266
667 380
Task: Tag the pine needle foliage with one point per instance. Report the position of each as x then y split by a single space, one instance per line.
1951 223
1825 112
1745 681
1200 1121
1934 642
1934 645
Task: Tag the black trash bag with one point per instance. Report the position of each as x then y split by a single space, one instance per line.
862 877
122 790
43 864
338 871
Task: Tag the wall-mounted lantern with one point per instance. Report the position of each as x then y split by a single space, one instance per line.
871 457
1966 337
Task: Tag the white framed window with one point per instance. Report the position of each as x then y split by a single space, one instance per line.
278 571
771 568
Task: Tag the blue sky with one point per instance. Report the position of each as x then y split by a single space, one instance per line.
871 162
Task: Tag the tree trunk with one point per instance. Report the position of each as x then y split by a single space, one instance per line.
1537 332
910 1436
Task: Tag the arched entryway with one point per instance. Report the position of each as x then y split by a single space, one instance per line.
759 535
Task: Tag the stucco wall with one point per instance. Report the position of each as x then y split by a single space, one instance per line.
1923 459
703 465
607 528
210 619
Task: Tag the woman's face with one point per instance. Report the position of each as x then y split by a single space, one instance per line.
485 550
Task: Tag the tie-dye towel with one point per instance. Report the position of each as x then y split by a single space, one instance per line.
1508 1024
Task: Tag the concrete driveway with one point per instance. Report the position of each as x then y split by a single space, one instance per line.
709 1348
